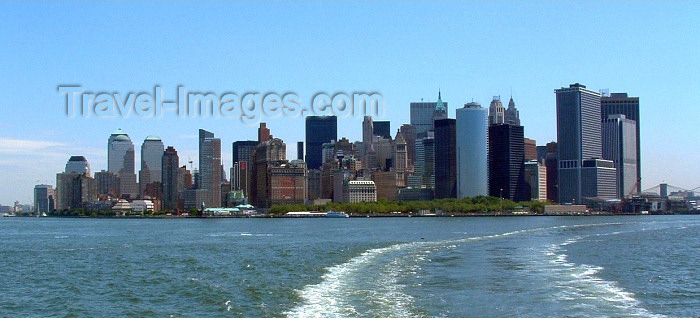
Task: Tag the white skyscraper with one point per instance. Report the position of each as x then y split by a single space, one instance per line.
472 150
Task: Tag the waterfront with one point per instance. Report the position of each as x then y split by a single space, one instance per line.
379 267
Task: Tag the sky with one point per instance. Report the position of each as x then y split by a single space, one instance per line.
404 51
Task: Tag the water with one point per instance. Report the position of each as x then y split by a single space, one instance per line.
642 266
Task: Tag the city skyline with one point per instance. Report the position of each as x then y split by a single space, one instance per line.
37 138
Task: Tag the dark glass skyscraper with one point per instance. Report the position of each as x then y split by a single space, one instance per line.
424 114
382 129
319 130
210 168
445 158
578 137
506 162
170 162
242 175
620 103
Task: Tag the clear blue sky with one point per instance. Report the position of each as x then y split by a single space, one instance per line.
403 50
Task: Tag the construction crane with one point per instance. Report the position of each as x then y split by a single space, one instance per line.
628 197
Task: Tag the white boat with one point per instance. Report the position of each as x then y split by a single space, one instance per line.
336 214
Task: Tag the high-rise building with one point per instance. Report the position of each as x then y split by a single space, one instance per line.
210 168
151 161
382 128
107 183
620 146
287 182
512 114
242 176
472 150
75 188
266 153
263 133
552 165
506 162
319 130
536 178
620 103
424 114
497 113
598 179
530 149
400 160
367 134
120 160
300 150
409 136
445 158
578 138
44 198
170 163
424 168
77 164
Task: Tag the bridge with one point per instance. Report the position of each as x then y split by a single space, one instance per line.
669 189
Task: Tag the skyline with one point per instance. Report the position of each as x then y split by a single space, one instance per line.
474 51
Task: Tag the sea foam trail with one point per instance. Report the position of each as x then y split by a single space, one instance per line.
369 284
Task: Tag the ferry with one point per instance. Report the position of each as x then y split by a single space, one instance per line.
336 214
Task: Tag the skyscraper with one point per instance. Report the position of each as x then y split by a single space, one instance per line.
506 162
120 160
241 175
263 133
210 168
620 103
319 130
151 161
497 113
75 188
300 150
578 138
530 149
367 134
44 198
512 114
620 146
424 114
472 150
77 164
170 162
552 164
445 158
382 128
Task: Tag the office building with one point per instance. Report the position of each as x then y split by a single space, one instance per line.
287 182
242 176
382 128
598 179
552 165
512 115
210 168
77 164
361 191
107 184
621 103
578 138
170 163
300 150
536 179
497 113
44 198
506 162
263 133
423 115
445 158
620 146
319 130
120 160
151 161
472 150
530 149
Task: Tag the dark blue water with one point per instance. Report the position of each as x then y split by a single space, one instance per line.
642 266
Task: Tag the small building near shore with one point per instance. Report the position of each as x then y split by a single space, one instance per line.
565 209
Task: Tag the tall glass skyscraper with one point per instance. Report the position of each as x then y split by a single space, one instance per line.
578 139
620 103
424 114
319 130
472 150
120 160
151 161
170 163
210 168
445 158
620 146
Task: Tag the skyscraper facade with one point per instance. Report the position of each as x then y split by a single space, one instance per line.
621 103
44 198
506 162
620 146
170 163
472 150
382 128
210 168
497 113
445 158
578 138
151 161
424 114
77 164
512 115
242 176
120 160
319 130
